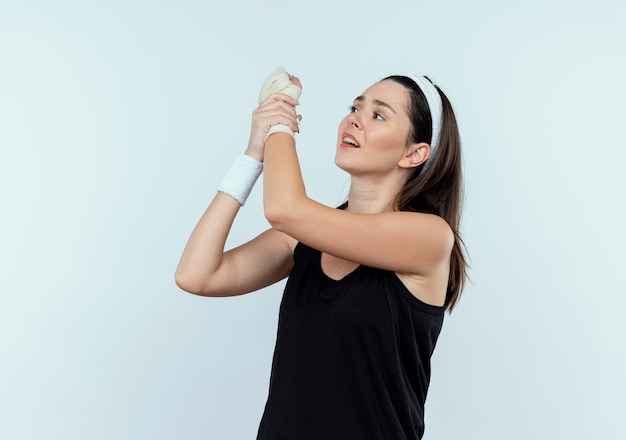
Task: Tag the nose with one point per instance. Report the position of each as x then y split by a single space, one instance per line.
353 121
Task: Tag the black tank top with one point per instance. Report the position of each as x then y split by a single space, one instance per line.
352 356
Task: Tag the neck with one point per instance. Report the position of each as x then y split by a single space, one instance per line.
367 197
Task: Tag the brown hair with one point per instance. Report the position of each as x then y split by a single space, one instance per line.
436 186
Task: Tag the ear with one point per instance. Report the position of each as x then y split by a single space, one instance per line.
414 155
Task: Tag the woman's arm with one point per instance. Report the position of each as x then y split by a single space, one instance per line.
204 268
405 242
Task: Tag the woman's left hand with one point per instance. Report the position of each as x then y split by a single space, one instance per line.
276 109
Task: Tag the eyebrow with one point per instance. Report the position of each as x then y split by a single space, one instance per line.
375 101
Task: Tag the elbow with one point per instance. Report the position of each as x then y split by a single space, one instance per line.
200 285
184 282
286 209
277 216
188 283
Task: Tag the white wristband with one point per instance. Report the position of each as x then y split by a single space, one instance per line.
241 177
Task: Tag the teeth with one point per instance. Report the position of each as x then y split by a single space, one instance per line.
349 140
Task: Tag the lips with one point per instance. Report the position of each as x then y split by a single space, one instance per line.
349 141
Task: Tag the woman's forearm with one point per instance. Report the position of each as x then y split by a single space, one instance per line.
283 187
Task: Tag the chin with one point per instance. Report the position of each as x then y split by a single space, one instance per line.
344 164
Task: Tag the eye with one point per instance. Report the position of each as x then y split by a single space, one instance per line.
378 117
352 109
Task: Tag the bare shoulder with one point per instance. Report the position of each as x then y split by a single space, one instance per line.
441 230
429 282
431 236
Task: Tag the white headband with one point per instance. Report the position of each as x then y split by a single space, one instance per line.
434 103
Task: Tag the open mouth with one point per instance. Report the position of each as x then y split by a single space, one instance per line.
350 141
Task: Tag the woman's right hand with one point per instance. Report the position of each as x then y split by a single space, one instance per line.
276 109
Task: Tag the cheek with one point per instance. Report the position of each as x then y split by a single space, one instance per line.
390 140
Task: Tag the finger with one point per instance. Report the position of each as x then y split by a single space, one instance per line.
278 103
275 108
295 80
280 97
262 115
281 119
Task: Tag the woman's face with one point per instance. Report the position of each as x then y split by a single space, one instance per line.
373 137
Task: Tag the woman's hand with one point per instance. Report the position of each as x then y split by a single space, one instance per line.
276 109
295 80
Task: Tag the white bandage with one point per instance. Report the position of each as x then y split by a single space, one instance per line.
278 82
241 177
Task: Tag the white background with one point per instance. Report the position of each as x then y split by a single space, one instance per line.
119 118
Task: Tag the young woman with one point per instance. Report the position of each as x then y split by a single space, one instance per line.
368 282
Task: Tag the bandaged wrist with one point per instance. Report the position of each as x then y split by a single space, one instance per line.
241 177
279 128
278 82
